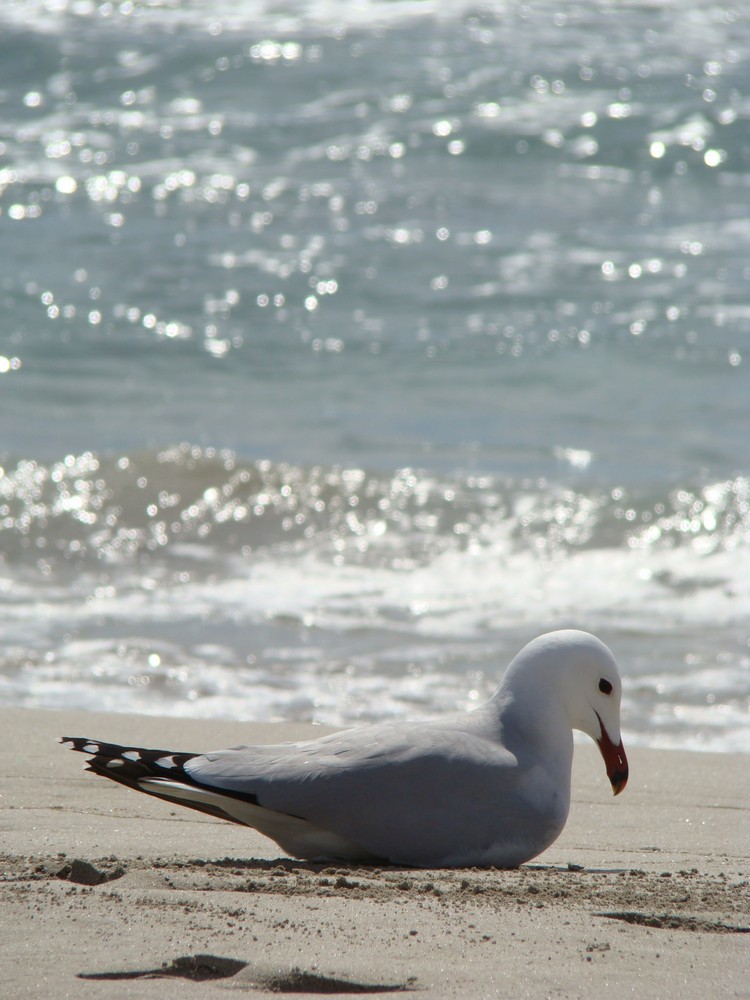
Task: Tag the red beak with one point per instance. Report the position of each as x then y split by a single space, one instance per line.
614 760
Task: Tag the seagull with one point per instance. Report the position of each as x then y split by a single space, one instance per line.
484 788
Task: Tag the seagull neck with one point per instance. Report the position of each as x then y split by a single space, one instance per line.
527 721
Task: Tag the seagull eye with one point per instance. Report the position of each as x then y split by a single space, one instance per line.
604 686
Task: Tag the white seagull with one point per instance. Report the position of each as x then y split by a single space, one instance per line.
490 787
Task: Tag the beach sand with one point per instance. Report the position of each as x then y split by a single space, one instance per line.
105 893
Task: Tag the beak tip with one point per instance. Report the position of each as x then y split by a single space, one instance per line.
618 781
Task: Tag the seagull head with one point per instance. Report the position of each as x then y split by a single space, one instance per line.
581 674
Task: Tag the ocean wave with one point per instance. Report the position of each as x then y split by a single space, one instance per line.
187 532
88 508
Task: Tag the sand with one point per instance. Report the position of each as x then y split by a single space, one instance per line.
105 893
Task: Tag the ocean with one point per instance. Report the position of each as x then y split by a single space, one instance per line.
347 346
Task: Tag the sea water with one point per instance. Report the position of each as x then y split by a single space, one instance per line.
347 346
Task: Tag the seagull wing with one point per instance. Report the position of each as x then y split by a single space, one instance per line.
417 795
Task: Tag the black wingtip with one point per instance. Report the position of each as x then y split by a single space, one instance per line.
94 748
76 742
128 766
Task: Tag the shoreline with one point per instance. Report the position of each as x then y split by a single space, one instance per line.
107 893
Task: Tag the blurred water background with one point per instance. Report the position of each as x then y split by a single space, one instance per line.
347 345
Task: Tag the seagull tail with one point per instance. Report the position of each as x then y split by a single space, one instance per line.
154 772
162 773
